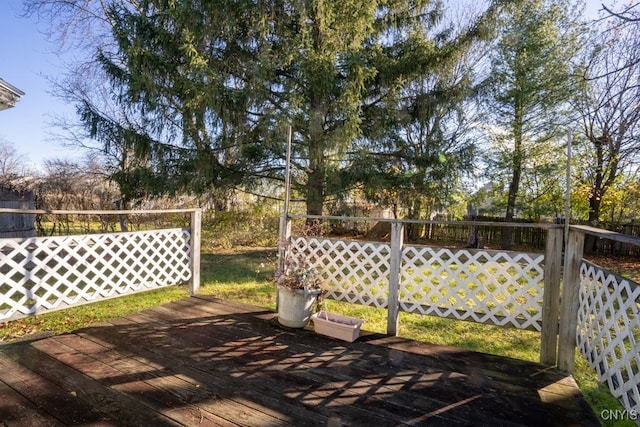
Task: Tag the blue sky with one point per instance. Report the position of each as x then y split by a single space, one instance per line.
25 61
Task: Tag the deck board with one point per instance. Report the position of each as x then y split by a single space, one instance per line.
203 361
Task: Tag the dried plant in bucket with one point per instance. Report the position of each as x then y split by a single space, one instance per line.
299 289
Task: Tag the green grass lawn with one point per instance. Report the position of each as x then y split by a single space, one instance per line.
244 276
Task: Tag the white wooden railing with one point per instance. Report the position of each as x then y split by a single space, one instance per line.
503 288
493 287
598 311
42 274
602 317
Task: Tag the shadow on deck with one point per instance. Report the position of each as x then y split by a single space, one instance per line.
203 361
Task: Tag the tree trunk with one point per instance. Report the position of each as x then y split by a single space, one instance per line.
514 185
315 198
316 175
122 205
590 241
602 181
473 240
414 231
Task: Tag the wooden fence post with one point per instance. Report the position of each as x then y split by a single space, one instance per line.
196 241
569 304
397 236
551 297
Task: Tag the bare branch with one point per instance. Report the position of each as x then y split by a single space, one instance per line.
627 15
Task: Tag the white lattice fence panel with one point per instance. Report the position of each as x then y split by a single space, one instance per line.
43 274
356 272
501 288
608 333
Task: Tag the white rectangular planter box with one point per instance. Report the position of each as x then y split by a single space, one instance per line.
337 326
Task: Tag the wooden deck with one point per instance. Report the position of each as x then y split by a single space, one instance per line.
202 361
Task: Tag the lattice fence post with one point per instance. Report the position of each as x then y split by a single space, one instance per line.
196 240
397 236
569 306
551 296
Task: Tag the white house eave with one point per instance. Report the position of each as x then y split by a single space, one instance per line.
9 95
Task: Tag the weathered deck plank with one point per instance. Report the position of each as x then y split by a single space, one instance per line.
202 361
56 406
15 411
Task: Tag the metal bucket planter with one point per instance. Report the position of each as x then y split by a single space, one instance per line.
295 306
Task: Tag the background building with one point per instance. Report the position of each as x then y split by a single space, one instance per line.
9 95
